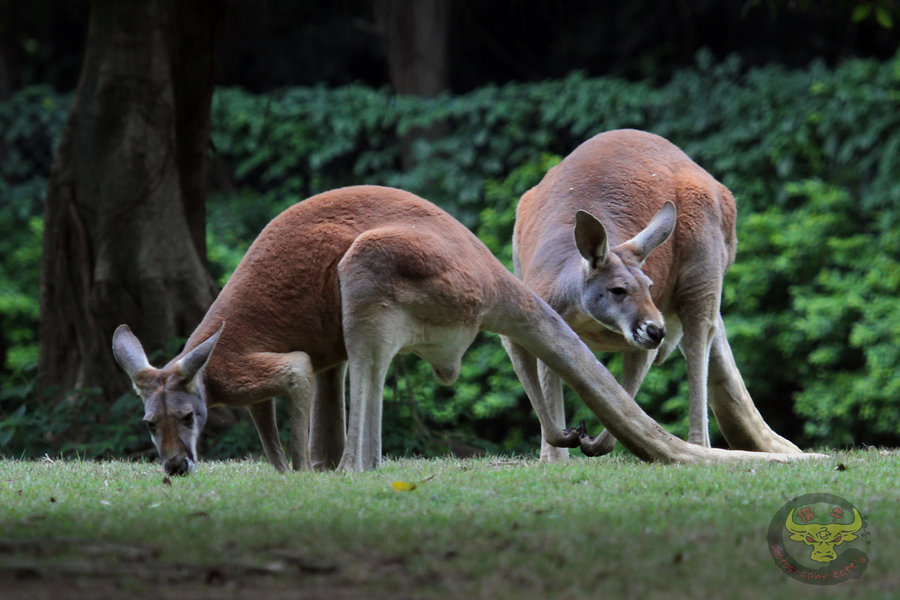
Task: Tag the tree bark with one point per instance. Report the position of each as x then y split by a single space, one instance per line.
124 232
415 34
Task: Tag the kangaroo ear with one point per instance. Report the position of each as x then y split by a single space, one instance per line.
591 239
655 233
128 351
192 363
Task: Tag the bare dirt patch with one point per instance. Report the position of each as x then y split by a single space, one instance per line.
87 569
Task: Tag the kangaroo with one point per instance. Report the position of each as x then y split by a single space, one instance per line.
629 240
342 282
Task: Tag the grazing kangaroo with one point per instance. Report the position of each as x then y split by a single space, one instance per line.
348 279
629 239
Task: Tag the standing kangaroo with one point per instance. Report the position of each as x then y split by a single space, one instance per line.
629 239
348 279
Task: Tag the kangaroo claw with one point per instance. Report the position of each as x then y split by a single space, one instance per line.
571 438
597 446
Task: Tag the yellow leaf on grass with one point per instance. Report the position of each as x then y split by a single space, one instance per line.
403 486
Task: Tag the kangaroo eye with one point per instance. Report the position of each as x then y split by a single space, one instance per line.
618 291
188 419
150 425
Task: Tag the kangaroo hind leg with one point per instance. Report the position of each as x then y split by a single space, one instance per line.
328 420
287 374
737 415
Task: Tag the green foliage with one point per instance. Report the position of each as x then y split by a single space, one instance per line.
80 425
881 10
810 154
821 279
29 125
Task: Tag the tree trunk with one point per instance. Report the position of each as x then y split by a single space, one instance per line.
415 35
124 221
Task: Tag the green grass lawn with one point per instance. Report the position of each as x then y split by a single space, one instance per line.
485 528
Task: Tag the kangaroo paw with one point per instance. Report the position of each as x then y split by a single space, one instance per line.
596 446
569 438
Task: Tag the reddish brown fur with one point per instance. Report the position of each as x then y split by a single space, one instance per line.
401 274
352 277
282 296
624 177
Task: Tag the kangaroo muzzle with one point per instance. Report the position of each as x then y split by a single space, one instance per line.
179 465
648 334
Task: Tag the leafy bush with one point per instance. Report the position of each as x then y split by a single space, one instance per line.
810 154
29 125
820 279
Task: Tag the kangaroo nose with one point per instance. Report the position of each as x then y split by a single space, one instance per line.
655 333
177 466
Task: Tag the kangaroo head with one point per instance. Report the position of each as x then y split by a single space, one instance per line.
616 292
174 397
